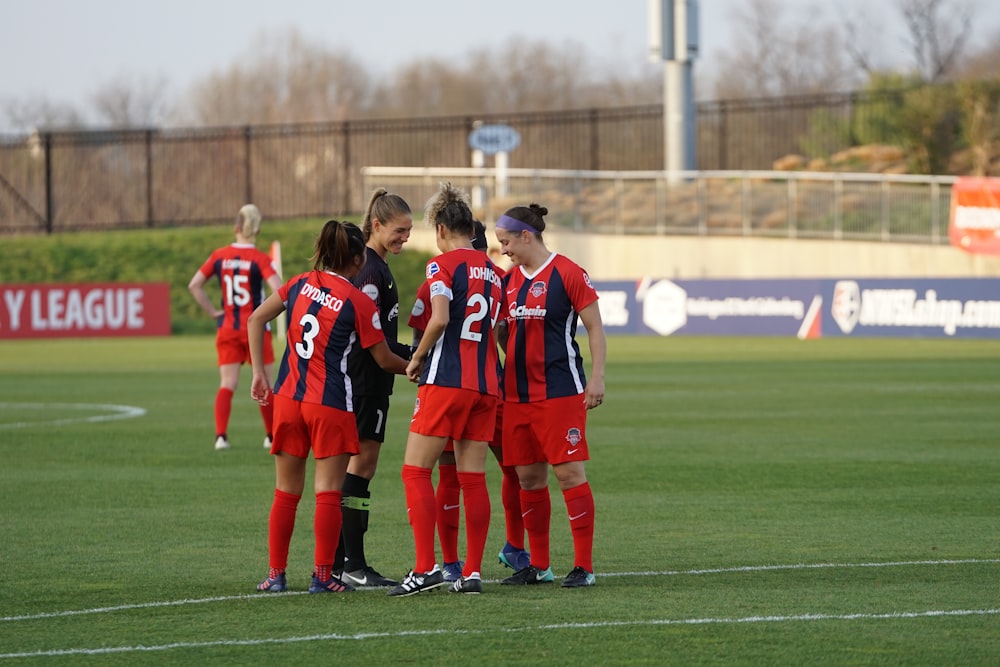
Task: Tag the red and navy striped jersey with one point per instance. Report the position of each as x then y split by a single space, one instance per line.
328 318
543 359
465 355
242 271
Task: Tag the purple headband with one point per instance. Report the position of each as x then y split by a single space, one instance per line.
510 224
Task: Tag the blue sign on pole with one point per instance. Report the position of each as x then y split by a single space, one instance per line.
493 139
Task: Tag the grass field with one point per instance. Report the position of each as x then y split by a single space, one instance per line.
760 501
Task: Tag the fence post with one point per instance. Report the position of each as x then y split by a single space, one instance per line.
247 131
149 178
595 148
49 206
346 187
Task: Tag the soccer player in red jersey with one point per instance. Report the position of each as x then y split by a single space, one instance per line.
448 489
314 395
242 270
455 364
546 391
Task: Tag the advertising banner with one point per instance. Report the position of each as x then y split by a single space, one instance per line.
806 308
975 215
84 310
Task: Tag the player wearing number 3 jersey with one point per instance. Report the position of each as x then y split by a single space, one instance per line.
314 395
242 270
455 365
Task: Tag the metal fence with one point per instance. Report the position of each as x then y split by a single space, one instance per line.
60 181
872 207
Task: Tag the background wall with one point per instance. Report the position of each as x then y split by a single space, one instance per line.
627 257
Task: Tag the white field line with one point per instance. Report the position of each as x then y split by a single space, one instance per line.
455 632
667 573
116 412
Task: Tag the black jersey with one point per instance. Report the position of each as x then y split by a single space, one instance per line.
376 281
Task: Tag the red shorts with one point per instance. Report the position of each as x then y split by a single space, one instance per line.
550 431
300 427
233 347
497 440
450 412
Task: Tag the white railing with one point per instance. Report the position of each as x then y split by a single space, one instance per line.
827 205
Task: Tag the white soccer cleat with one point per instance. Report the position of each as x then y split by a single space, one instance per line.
267 442
221 443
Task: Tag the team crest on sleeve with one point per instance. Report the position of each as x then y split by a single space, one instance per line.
418 308
433 268
376 322
573 436
370 291
586 279
537 288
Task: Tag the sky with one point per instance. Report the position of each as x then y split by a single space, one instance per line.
65 50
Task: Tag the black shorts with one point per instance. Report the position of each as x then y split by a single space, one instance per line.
371 413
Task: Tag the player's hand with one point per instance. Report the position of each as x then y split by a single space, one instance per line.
414 368
594 394
260 389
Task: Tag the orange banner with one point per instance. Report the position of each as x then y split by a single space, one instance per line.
975 215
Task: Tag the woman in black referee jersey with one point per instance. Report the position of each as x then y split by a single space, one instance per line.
386 226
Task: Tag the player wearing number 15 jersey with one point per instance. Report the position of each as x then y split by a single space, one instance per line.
455 364
314 395
242 270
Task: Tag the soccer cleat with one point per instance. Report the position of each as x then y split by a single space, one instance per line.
221 442
530 575
453 571
471 585
267 442
273 584
367 576
514 558
331 585
414 583
579 577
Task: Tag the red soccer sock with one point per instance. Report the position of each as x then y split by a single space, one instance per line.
279 528
267 413
536 510
448 491
510 495
477 519
580 508
326 526
422 514
223 406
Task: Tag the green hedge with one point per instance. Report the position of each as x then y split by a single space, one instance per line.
171 256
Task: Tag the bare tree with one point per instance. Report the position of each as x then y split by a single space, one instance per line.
283 79
936 35
40 113
778 54
938 31
128 101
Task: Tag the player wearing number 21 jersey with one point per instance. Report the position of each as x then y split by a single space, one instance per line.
455 364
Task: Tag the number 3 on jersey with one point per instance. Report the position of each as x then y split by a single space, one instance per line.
310 329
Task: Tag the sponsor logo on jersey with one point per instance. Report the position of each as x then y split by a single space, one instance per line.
433 268
586 279
418 308
371 291
376 322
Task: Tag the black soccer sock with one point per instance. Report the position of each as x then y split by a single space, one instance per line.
355 504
